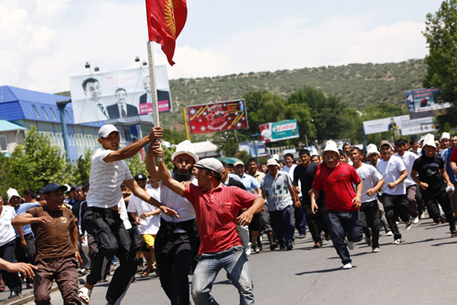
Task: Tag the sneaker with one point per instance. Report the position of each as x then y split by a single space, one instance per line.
289 247
300 236
375 250
443 219
351 244
416 220
255 248
398 241
282 247
389 233
409 224
14 294
248 250
347 266
368 240
453 234
273 246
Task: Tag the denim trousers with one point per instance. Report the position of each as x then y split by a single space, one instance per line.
340 225
235 262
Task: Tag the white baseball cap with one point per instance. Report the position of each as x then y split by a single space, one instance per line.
11 193
372 149
105 130
429 140
185 147
331 146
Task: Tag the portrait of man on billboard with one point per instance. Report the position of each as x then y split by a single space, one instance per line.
121 109
92 108
162 95
392 125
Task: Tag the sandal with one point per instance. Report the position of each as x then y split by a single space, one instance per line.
84 294
146 272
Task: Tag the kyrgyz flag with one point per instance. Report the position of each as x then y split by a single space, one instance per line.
166 19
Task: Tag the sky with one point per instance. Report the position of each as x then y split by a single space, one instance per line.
45 42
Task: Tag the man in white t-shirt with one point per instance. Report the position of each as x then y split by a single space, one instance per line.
394 198
176 242
408 159
102 220
147 218
372 182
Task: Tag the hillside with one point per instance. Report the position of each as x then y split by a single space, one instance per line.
358 85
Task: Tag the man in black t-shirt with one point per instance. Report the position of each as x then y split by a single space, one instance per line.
433 180
305 173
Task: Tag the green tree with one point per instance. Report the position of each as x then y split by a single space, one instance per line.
37 163
82 170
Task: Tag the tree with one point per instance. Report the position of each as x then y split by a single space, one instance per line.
441 35
36 163
82 170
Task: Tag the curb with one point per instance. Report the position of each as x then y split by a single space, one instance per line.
26 298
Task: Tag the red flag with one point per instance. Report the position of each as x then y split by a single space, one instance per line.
166 19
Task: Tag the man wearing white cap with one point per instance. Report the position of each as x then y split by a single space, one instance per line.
277 189
176 241
342 202
433 180
394 198
445 141
102 219
373 154
217 207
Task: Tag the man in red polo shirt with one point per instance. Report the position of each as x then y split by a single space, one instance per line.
216 208
342 202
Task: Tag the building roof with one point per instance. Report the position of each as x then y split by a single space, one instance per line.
7 126
23 104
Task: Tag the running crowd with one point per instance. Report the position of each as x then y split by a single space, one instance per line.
207 215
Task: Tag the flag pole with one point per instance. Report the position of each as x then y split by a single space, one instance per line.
152 78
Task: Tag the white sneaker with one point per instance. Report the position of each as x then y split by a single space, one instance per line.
389 233
416 220
398 241
351 245
375 250
347 266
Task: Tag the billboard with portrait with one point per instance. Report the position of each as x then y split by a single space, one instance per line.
278 131
118 95
217 117
383 125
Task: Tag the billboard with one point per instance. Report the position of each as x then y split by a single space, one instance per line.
217 117
258 149
423 100
278 131
404 123
117 95
383 125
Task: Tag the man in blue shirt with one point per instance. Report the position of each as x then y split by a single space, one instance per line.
452 177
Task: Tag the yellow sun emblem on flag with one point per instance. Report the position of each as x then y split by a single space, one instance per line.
170 6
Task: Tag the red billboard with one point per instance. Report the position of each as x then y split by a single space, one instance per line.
217 117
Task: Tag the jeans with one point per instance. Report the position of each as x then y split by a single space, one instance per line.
235 262
341 224
283 224
300 221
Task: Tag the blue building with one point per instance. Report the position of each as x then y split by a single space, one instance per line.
20 109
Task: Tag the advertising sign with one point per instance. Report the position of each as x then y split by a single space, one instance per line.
118 94
383 125
278 131
251 149
422 100
417 126
217 117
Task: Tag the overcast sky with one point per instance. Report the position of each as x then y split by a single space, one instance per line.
44 42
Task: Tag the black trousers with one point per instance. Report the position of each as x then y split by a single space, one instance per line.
369 212
173 265
11 279
112 238
394 206
434 211
316 222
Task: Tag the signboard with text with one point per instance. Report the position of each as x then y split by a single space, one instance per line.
423 100
118 94
278 131
221 116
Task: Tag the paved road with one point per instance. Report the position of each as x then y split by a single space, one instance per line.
420 271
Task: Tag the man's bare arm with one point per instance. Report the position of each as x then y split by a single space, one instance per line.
246 217
27 219
151 164
165 176
314 195
134 148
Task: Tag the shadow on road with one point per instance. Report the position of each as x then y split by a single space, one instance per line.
322 271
